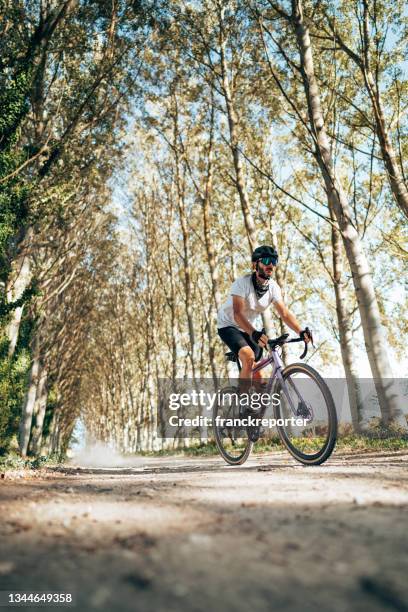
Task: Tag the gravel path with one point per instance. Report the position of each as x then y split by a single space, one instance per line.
195 534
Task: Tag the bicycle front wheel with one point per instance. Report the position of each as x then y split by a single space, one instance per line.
230 437
306 415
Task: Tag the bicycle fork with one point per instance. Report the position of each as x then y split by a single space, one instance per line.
277 374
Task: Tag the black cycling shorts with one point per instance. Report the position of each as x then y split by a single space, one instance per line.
235 339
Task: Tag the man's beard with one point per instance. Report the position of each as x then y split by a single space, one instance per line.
262 274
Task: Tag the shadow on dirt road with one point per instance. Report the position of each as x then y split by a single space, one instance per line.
195 534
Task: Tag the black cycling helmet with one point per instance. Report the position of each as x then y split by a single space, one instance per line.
265 251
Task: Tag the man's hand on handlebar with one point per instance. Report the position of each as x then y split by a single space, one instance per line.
260 338
306 335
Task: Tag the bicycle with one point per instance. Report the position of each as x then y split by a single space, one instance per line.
303 396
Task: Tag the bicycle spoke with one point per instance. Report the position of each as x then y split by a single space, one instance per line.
306 398
232 441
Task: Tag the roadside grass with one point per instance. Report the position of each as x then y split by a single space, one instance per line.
13 462
345 443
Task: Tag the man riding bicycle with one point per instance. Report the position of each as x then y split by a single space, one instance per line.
303 394
249 296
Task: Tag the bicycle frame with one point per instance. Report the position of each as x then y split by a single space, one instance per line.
274 358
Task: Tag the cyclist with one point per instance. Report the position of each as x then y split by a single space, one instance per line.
249 296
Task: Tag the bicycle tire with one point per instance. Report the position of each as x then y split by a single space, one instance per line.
324 453
230 459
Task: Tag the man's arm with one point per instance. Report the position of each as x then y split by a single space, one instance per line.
289 318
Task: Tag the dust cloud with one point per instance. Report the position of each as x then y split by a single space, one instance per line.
99 455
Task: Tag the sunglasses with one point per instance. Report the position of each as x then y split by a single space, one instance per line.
267 261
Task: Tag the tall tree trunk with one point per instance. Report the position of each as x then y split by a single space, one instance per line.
179 184
40 406
18 282
395 177
187 285
345 333
234 142
206 203
189 300
49 441
279 276
172 306
362 279
211 351
209 249
30 398
184 232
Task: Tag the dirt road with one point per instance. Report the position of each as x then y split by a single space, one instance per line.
195 534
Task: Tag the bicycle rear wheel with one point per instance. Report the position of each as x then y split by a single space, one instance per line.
231 439
306 416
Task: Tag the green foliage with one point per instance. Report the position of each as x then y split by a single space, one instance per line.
13 374
14 105
64 79
13 212
52 401
7 307
13 377
13 190
13 461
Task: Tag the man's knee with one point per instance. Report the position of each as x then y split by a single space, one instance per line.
246 356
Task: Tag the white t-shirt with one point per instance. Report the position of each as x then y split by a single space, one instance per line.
244 287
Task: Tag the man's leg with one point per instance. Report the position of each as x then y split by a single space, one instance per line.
248 353
258 380
256 377
247 358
